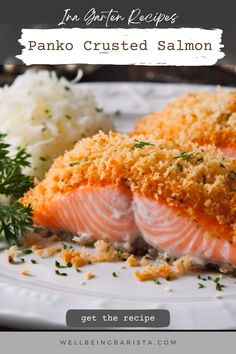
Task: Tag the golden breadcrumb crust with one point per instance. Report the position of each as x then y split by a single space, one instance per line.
199 180
106 253
203 117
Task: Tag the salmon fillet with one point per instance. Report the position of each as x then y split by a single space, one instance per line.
98 212
169 229
202 117
118 188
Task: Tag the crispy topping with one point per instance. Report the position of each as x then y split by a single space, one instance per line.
152 272
132 261
104 253
201 185
181 266
46 251
25 271
203 117
89 275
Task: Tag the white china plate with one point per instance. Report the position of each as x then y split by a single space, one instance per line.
40 301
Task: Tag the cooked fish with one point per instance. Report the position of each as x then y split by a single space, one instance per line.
101 212
119 187
202 117
170 229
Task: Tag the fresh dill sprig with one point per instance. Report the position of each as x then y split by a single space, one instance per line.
15 222
15 219
13 182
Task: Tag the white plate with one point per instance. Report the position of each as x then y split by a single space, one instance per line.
42 299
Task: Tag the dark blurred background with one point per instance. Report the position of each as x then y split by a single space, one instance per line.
215 75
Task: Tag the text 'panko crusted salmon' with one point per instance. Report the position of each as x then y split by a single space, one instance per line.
202 117
120 188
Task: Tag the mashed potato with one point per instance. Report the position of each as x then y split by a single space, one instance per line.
47 115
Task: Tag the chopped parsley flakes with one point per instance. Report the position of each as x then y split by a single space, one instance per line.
58 265
180 167
77 163
140 144
27 251
185 155
216 280
219 286
200 286
58 273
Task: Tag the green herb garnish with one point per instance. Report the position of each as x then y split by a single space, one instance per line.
98 109
180 167
200 159
200 286
78 270
61 266
42 158
13 182
15 222
58 273
219 286
33 261
58 265
185 155
157 281
217 279
77 163
168 278
67 88
140 144
27 251
114 274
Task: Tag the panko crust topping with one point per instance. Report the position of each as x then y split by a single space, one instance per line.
198 179
203 117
